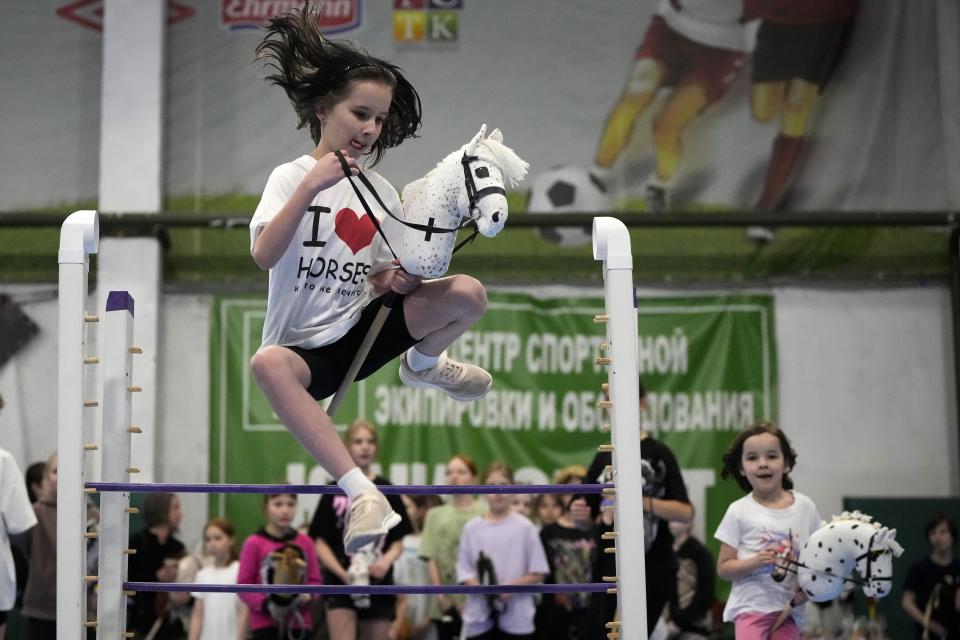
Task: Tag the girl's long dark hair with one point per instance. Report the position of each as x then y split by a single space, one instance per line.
734 453
316 72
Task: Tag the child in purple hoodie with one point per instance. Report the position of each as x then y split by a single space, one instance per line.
279 554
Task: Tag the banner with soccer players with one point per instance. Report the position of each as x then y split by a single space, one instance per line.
672 104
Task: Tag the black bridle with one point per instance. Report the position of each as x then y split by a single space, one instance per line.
487 575
872 554
866 580
474 196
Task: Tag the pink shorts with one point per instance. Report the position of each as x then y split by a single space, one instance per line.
754 626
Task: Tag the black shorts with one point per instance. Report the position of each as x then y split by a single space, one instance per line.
381 607
329 363
3 617
810 52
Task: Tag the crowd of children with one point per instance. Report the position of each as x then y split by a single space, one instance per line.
460 541
553 538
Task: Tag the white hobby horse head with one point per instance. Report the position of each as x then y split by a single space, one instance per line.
850 540
467 184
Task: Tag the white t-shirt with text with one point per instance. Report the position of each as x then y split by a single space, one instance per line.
318 286
750 527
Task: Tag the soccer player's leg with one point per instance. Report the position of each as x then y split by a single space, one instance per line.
800 100
686 101
683 105
645 78
790 144
766 100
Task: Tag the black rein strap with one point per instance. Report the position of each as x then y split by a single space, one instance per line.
428 229
864 581
487 575
363 201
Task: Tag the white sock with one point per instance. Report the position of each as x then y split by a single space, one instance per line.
418 362
354 483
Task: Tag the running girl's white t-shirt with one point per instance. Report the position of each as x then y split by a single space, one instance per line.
749 527
318 287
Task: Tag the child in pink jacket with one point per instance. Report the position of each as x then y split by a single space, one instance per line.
279 554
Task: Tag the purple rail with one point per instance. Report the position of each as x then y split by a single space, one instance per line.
374 590
415 489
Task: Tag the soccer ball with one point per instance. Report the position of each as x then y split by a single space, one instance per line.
567 189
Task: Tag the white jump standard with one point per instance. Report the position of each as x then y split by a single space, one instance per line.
79 237
611 245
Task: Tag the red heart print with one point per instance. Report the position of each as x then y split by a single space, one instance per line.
356 232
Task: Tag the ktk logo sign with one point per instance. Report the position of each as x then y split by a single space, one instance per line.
417 21
89 13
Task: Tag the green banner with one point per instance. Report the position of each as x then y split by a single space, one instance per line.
709 364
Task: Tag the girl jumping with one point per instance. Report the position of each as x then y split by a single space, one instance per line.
329 267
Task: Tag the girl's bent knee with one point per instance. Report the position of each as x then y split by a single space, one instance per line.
471 294
266 362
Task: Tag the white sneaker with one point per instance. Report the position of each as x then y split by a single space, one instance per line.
369 520
458 380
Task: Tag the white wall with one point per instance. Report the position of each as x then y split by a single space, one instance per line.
183 408
866 392
29 388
